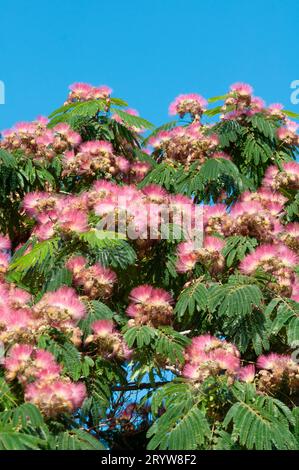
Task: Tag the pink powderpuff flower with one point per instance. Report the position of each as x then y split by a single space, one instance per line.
257 105
4 262
19 319
64 302
76 264
103 275
273 361
189 103
72 220
5 243
265 253
139 170
247 373
103 328
103 188
44 231
225 360
122 164
216 211
54 398
213 244
295 291
19 297
80 90
191 371
242 89
101 92
38 201
148 294
222 155
241 208
19 352
155 193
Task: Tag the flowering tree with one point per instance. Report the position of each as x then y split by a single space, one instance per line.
148 285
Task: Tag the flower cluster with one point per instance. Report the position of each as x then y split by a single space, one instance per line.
97 282
140 214
287 133
108 341
185 144
276 260
39 142
209 356
191 103
150 306
240 102
39 374
86 92
287 178
56 213
60 308
92 157
277 371
208 255
20 322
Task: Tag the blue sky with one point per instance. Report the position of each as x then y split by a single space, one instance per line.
147 51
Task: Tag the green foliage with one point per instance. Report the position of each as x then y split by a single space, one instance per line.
183 426
260 422
237 297
237 247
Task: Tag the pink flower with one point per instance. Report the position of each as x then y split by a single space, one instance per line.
103 328
190 103
5 243
247 373
242 89
61 305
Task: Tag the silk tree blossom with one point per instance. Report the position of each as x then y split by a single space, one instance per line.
26 363
287 133
139 170
254 220
290 236
150 305
209 255
5 243
191 103
247 373
275 110
185 144
277 260
4 263
265 197
86 92
60 306
108 342
277 372
56 397
96 281
38 142
209 356
288 178
92 157
217 220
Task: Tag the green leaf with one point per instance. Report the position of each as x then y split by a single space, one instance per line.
131 120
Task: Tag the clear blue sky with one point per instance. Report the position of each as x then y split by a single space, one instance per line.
147 51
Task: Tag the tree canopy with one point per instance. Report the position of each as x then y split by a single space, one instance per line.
149 291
